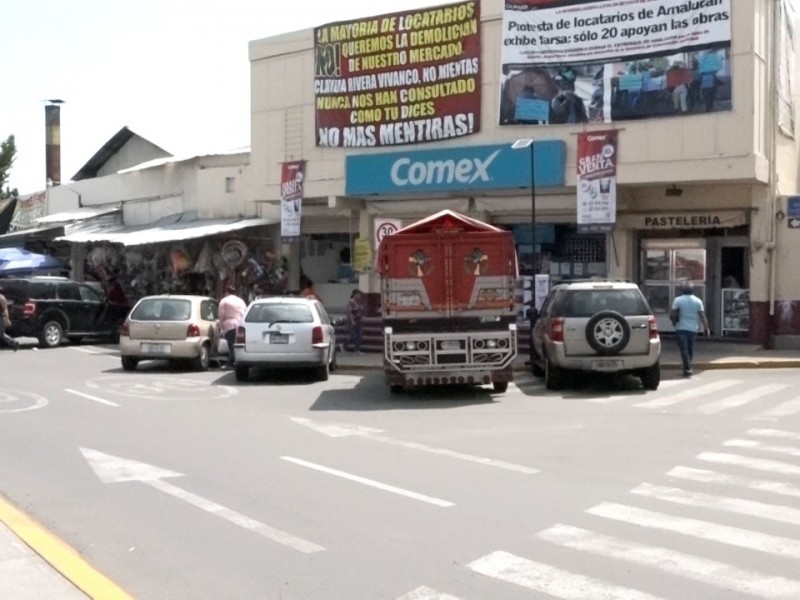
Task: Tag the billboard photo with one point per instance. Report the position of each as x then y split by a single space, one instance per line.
400 78
603 60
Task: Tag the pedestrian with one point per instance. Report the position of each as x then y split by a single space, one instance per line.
307 288
231 313
5 323
355 321
687 315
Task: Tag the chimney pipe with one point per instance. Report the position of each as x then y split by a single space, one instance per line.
52 124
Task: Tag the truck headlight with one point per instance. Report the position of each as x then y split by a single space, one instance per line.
411 346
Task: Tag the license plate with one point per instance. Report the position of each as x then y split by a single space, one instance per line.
156 348
278 338
451 345
607 365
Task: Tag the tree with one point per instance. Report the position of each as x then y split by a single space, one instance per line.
8 152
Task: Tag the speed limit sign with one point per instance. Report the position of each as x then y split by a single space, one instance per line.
384 227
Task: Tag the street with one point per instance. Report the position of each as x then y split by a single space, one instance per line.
188 485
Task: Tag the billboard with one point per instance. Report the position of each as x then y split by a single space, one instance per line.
400 78
597 180
604 60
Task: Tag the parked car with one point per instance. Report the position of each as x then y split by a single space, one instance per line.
597 326
179 329
56 308
285 332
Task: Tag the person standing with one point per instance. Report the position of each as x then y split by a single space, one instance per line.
687 315
355 320
5 323
231 313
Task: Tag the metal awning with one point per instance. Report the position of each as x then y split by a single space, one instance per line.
80 214
156 234
32 233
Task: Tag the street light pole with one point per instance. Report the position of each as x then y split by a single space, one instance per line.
519 145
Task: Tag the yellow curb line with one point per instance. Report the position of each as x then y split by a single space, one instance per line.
59 555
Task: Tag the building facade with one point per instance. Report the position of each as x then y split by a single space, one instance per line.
704 195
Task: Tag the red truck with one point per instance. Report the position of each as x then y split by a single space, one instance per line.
447 298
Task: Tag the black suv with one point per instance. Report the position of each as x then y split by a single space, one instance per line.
54 308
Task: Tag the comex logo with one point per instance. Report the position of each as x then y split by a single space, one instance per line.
467 170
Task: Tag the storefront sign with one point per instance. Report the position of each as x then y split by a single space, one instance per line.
688 220
29 208
401 78
565 61
597 180
455 169
292 174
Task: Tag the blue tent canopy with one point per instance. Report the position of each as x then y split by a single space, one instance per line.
18 261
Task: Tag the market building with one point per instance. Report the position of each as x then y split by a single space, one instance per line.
666 158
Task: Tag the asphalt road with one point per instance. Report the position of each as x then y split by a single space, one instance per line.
189 485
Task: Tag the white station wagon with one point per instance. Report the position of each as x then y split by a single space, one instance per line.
285 332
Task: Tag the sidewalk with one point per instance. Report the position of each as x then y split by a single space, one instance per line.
26 551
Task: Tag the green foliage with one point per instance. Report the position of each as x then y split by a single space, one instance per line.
8 152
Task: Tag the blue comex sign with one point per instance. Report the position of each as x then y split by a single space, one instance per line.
496 166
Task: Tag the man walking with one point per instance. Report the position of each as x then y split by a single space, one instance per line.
5 323
687 315
231 313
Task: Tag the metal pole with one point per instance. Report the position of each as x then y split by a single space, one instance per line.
535 266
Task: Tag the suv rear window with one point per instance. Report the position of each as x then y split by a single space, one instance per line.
585 303
162 309
279 313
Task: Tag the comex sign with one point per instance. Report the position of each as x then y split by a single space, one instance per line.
467 170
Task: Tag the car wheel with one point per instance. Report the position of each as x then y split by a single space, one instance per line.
334 364
651 377
203 359
129 363
500 386
75 339
52 334
608 332
242 372
553 376
323 372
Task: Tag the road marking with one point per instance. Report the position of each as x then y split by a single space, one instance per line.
93 352
761 485
689 394
740 399
776 433
92 398
759 464
773 512
753 444
347 429
59 555
426 593
635 394
552 581
724 534
160 387
370 482
113 469
700 569
9 397
788 408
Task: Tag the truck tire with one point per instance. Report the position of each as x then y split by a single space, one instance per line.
608 332
500 386
553 376
396 388
52 334
242 372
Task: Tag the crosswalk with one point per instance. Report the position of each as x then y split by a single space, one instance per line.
715 527
700 395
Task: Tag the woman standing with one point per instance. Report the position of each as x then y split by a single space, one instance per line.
355 318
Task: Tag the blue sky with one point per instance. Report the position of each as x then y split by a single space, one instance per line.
174 71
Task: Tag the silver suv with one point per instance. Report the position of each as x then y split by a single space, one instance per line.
600 326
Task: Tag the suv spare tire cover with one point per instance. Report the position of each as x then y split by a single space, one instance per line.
608 332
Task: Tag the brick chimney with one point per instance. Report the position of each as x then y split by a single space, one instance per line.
52 125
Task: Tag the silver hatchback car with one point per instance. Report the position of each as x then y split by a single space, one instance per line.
599 326
180 329
285 332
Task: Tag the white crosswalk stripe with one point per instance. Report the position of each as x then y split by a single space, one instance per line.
724 534
426 593
690 394
697 568
775 433
786 409
773 512
750 395
760 485
759 464
761 446
549 580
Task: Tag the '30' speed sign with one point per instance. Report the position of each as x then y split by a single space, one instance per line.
384 227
